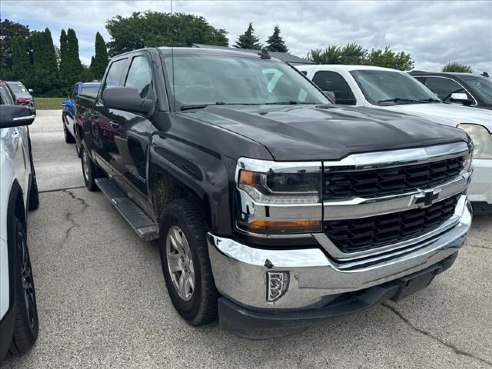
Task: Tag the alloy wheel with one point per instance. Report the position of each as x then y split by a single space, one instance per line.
180 263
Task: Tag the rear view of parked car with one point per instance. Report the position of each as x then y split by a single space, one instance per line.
459 88
21 94
19 193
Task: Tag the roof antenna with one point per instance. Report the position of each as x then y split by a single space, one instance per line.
264 54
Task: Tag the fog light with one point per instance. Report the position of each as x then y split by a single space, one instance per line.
278 283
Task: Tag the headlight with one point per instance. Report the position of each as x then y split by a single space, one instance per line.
482 140
279 198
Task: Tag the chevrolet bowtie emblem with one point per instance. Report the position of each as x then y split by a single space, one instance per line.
426 198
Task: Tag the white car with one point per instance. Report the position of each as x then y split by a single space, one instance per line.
18 193
376 87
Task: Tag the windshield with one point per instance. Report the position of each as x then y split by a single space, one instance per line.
17 87
482 85
220 79
382 87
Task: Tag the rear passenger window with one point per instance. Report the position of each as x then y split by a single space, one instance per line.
116 73
334 82
139 75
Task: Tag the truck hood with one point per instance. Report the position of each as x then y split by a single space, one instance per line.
447 114
327 132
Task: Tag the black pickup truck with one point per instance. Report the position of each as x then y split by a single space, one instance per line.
271 207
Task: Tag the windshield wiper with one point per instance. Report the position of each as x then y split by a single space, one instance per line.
398 100
429 100
291 103
201 106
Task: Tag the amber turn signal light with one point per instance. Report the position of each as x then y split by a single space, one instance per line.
247 178
296 226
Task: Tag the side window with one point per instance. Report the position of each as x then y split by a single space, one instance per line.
139 75
443 87
334 82
116 73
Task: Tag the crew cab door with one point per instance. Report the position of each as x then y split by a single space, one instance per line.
106 123
134 129
121 137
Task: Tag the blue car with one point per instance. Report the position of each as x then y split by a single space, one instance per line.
89 89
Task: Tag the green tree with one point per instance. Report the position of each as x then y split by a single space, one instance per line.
73 59
331 55
45 79
248 40
457 67
275 42
153 29
353 54
21 67
100 60
357 55
64 58
390 59
8 31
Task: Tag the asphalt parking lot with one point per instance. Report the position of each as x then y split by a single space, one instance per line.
103 303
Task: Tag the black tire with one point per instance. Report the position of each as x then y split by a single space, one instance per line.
201 308
89 170
34 193
26 326
68 136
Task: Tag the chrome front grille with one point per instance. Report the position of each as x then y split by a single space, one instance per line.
362 234
388 202
340 185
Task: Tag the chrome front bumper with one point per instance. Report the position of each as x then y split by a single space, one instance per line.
240 271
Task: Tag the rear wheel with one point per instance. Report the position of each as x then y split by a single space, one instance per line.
26 324
185 263
89 170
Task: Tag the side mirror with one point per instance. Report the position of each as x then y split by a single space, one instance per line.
15 116
460 97
126 98
330 95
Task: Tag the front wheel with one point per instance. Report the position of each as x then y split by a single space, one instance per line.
26 326
185 262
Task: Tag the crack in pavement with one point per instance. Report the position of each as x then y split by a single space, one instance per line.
69 215
450 346
480 247
62 189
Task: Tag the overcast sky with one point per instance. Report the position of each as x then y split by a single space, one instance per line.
434 32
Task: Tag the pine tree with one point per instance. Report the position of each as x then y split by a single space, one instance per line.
21 67
275 42
100 60
64 66
73 60
248 40
45 79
